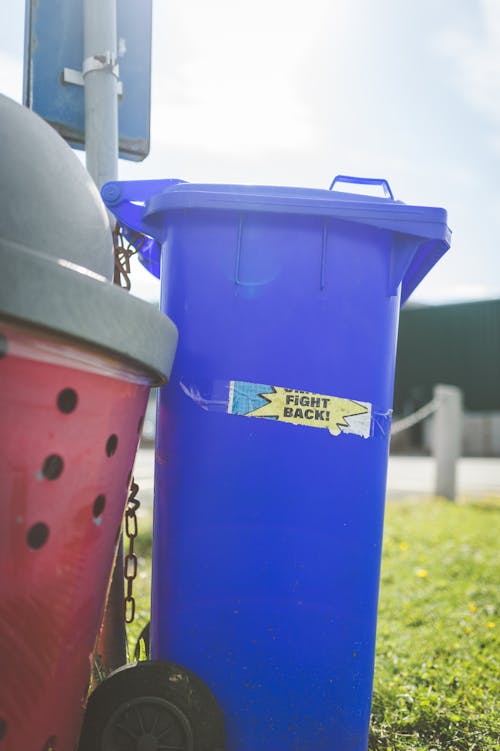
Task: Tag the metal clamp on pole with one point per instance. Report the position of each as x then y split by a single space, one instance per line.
106 62
76 77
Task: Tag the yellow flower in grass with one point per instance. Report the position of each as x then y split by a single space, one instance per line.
403 546
472 607
422 573
490 624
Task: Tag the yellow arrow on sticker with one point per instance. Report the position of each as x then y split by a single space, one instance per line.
315 410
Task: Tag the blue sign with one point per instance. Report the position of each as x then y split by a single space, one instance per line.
53 63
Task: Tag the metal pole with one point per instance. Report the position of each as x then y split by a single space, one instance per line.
447 438
100 76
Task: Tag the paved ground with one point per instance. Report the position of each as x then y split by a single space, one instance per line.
414 475
408 476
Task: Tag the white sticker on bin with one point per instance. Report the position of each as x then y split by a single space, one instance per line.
333 413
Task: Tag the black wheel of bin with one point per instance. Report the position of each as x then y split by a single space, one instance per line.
152 706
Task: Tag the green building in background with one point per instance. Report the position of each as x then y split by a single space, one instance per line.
456 344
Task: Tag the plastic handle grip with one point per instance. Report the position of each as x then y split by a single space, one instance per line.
364 181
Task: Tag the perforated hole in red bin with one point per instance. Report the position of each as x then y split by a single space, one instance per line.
52 467
111 444
67 400
37 535
98 507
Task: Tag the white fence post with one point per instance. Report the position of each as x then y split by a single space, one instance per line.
447 438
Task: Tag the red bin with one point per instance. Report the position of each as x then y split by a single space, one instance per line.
71 420
75 375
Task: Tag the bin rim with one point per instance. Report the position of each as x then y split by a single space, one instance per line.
71 301
137 204
382 212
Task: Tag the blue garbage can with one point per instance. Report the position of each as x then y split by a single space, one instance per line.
272 442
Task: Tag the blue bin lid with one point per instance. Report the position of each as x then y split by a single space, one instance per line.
144 207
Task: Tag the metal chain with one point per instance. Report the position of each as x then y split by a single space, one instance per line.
421 414
130 560
125 248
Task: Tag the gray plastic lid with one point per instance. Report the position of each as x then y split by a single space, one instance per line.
49 203
68 300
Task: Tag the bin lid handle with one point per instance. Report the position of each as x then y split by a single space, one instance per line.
364 181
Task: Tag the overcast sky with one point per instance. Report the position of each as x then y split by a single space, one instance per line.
290 92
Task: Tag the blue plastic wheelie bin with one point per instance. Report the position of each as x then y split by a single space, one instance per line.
272 442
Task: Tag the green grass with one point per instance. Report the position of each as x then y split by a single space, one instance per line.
437 675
